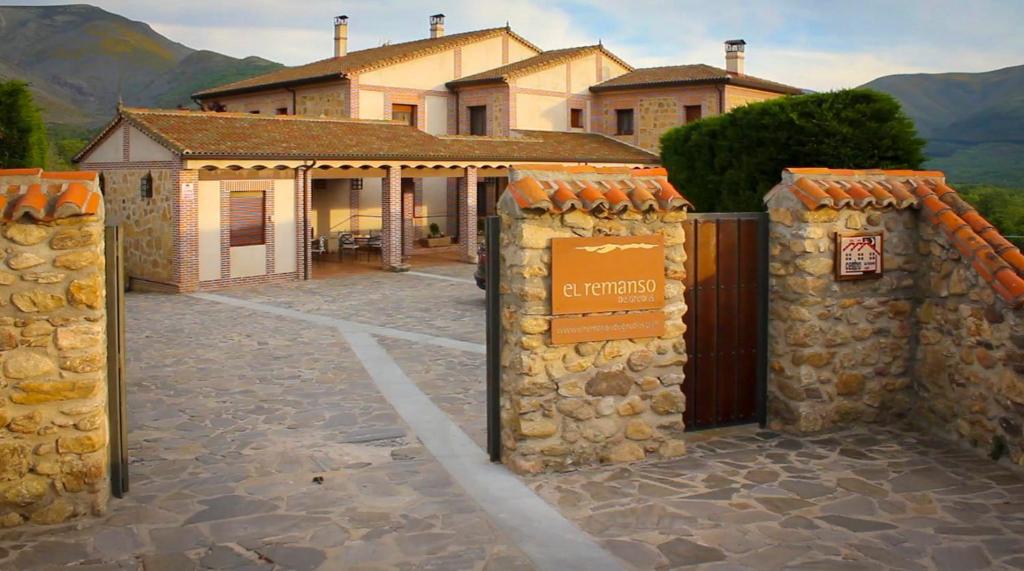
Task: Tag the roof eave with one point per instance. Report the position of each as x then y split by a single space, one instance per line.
265 86
739 82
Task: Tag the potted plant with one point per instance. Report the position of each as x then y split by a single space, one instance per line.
436 238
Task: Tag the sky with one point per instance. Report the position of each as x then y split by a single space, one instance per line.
817 45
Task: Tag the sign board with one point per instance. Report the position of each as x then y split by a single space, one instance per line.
607 273
858 256
633 325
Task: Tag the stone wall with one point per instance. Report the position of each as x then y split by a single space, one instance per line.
148 223
969 370
53 416
938 340
326 101
655 111
839 352
564 406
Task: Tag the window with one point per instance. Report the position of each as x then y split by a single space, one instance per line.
478 120
357 184
281 111
103 184
256 112
623 121
248 224
693 113
404 113
576 118
146 186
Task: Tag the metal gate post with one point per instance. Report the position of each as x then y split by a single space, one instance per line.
492 233
117 405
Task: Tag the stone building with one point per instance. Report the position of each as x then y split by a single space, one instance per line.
481 100
937 339
53 397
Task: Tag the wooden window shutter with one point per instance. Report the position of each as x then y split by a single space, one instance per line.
248 220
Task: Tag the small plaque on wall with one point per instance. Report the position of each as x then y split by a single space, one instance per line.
859 256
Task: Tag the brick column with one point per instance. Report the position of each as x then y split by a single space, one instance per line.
467 216
391 218
452 207
304 205
185 205
408 223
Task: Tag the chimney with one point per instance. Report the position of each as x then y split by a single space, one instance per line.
734 54
437 26
340 36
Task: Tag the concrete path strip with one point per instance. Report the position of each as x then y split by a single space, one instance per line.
440 277
540 531
346 324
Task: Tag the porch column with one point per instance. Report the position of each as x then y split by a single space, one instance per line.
353 208
304 208
408 230
391 218
467 216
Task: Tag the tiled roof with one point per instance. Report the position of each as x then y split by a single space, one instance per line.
594 189
693 74
998 261
246 136
529 65
357 61
47 196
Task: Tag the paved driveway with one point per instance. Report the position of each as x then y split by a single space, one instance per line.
374 383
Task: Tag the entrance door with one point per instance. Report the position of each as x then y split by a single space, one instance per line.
726 319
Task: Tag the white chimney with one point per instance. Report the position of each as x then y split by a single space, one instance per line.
437 26
340 36
734 54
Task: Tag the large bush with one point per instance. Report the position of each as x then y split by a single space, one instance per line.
22 133
1003 207
727 163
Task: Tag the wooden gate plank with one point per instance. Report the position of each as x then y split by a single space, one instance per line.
707 321
746 343
729 318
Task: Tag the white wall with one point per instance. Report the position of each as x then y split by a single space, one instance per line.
371 104
541 112
285 255
428 72
583 74
481 56
518 51
209 229
110 150
437 115
551 79
435 203
141 148
248 261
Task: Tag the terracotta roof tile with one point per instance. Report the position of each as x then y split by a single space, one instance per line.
47 196
529 65
356 61
604 191
995 258
692 74
246 136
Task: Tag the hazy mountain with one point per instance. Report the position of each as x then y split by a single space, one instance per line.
974 122
79 59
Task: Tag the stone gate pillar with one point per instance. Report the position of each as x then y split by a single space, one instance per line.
54 463
592 306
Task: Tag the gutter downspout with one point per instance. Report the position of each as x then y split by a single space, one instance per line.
307 191
721 99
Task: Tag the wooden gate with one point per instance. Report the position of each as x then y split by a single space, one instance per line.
117 406
726 319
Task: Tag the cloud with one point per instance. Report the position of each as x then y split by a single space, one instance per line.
820 45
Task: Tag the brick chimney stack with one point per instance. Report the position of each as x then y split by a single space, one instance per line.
340 36
437 26
734 55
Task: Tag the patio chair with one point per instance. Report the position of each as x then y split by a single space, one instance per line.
374 244
319 246
347 241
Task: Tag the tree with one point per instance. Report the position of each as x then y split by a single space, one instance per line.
727 163
1003 207
22 132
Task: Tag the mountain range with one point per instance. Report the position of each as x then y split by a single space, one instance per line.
80 60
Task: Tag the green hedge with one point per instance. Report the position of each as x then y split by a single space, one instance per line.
728 162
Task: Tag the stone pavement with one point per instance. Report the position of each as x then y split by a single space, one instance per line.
233 412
